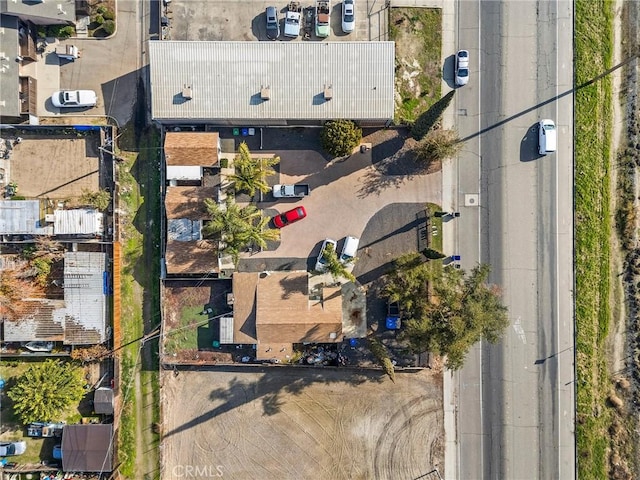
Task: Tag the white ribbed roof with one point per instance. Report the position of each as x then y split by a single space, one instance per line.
226 78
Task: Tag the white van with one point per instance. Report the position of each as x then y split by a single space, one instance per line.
349 250
547 137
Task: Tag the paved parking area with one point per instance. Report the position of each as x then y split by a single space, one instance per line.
244 20
292 423
345 196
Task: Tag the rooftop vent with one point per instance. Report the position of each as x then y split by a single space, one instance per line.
187 92
328 92
265 92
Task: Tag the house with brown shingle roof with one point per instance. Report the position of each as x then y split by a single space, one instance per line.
188 155
192 148
275 310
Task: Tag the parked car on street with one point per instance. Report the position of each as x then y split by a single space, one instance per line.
348 16
38 346
321 263
12 448
462 68
74 98
273 23
290 216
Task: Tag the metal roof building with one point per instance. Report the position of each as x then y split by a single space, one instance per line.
271 83
81 319
22 217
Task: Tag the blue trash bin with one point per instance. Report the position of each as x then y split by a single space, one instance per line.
353 342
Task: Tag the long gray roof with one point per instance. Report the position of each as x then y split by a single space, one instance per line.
226 80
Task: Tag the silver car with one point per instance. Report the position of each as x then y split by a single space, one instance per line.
348 16
321 263
12 448
273 23
462 68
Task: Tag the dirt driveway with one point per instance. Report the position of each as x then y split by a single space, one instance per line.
287 423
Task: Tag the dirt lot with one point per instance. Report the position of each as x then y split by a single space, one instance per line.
286 423
54 167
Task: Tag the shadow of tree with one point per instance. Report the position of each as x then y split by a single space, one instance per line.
269 388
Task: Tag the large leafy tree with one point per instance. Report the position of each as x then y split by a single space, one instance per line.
340 137
446 309
45 390
238 227
251 173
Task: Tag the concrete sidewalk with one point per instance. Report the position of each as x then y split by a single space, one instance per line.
449 233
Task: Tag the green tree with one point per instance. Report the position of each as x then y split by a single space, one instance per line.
100 199
237 227
251 173
334 266
446 310
340 137
436 146
45 390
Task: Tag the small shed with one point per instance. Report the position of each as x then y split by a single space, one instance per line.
87 448
103 401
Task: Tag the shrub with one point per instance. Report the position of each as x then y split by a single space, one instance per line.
436 146
340 137
427 120
224 163
109 15
60 31
432 254
102 9
98 19
109 27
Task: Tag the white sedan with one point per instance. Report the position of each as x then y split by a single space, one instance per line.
74 98
462 68
348 16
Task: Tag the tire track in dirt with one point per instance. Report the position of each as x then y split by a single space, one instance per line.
387 453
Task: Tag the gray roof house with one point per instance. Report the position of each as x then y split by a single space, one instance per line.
41 12
18 55
271 83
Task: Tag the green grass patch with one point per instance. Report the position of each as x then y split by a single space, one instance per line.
139 181
185 335
417 33
593 55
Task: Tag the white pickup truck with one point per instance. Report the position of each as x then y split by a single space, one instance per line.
290 191
67 52
292 20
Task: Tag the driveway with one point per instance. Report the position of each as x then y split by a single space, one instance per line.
346 195
109 66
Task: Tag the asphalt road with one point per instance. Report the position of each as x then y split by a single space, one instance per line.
516 399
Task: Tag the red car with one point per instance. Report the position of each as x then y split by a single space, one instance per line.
291 216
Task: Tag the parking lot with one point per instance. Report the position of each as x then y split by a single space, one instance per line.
286 423
238 20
